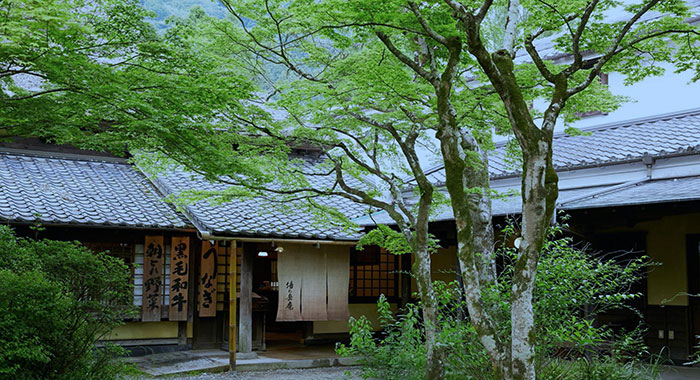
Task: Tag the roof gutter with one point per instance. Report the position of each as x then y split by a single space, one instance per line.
187 229
602 192
206 235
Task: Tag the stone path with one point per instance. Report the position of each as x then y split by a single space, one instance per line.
213 361
330 373
680 373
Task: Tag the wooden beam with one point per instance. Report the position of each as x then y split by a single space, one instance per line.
232 307
245 335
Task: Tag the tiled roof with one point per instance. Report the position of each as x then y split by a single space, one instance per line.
260 217
646 192
665 135
80 191
502 206
628 194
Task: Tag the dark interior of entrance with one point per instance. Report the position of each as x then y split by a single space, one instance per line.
266 296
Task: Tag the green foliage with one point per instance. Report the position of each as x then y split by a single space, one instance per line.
572 287
393 241
398 354
97 75
31 323
597 368
56 300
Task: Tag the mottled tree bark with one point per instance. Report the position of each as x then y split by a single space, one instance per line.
435 368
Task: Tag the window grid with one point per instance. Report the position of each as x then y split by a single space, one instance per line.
373 272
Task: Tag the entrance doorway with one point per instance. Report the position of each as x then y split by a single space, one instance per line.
266 287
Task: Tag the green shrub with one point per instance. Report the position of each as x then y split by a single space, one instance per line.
399 354
56 300
598 368
29 328
571 288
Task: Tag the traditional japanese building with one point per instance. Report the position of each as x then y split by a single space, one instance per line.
296 280
629 186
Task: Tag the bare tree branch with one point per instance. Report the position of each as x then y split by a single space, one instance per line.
511 33
613 49
432 33
430 77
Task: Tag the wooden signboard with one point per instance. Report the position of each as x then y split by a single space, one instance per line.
152 279
207 281
179 278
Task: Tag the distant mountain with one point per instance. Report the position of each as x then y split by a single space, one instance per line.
181 8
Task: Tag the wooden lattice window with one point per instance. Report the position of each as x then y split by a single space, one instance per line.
373 271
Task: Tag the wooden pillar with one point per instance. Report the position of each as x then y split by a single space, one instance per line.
245 335
182 333
232 307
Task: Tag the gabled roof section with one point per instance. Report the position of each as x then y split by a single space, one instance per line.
641 192
660 136
666 190
665 135
258 217
80 191
500 206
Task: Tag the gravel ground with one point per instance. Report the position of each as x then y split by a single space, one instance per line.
329 373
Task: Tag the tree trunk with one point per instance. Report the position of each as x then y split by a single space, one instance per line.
472 214
435 368
539 192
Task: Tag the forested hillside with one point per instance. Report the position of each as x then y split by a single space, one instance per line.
180 8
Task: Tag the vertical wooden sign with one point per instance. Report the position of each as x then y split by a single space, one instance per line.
207 281
179 278
152 279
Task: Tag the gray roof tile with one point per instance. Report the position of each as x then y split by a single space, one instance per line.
75 191
664 135
257 216
502 206
642 192
647 192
